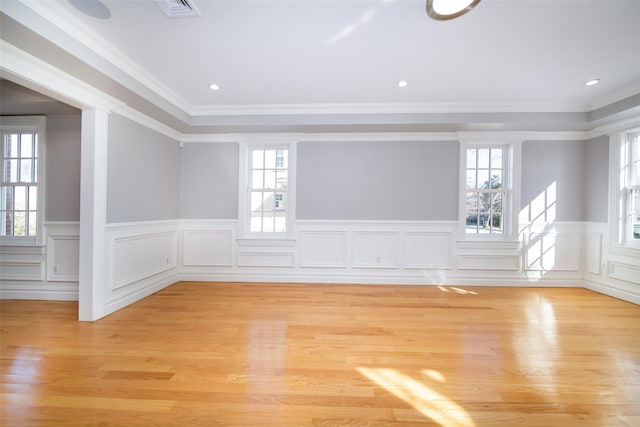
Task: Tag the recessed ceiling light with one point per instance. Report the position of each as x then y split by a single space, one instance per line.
592 82
402 83
214 86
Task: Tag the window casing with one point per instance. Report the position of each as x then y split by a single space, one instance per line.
485 194
21 179
489 190
267 189
625 177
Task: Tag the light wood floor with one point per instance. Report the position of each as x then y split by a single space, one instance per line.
222 354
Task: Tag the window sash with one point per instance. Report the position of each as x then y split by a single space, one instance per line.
485 190
266 202
21 186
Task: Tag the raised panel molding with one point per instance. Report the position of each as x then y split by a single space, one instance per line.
626 272
212 248
553 251
266 259
428 250
139 256
22 263
376 249
21 270
63 251
266 252
63 258
326 249
488 262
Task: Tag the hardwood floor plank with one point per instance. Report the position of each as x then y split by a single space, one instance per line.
257 354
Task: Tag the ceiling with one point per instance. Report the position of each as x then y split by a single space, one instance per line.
273 58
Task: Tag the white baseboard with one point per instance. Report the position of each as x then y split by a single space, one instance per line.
615 292
45 291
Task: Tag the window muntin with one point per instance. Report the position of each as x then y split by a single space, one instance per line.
485 191
20 183
268 188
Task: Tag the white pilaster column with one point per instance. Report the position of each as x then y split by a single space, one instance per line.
93 213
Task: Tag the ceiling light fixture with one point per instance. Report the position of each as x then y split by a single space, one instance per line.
449 9
592 82
214 86
402 83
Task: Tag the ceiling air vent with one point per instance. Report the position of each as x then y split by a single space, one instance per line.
178 8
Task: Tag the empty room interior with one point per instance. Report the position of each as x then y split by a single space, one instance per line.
320 213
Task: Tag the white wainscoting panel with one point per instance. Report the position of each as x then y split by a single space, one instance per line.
428 250
141 256
326 249
27 272
553 251
626 272
376 249
207 247
141 259
22 263
266 252
489 255
63 251
488 262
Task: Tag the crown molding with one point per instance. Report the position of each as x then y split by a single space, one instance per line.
382 108
65 21
144 120
44 77
615 97
618 126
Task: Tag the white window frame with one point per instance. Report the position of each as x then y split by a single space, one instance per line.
244 186
35 124
621 146
510 183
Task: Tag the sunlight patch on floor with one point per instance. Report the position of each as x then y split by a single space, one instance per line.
424 399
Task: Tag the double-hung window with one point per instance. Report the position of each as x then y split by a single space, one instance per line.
626 187
267 189
633 189
489 180
21 186
485 192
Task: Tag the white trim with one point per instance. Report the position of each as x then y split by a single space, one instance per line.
512 158
246 144
38 125
66 22
614 97
618 233
144 120
73 27
611 128
49 79
381 108
93 214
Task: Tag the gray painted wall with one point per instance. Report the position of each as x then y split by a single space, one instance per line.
62 198
596 179
143 181
377 181
209 181
554 162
